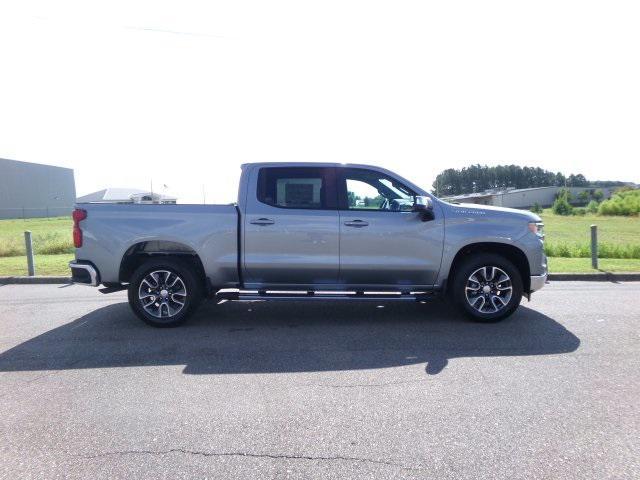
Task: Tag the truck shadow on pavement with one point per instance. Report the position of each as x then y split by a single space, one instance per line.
272 337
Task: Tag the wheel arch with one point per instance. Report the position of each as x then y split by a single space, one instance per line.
512 253
140 252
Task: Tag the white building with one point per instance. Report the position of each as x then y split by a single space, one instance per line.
522 197
29 190
125 195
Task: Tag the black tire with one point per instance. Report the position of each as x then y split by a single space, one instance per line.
495 296
169 297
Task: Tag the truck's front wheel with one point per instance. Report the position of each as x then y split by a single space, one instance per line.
487 287
164 292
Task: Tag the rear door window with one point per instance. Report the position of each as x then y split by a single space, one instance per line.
297 187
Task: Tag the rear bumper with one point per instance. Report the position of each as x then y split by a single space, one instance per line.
84 274
537 282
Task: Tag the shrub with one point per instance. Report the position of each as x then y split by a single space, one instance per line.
598 195
624 202
564 192
579 211
561 206
592 207
536 208
583 196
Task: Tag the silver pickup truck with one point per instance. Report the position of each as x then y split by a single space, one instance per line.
310 231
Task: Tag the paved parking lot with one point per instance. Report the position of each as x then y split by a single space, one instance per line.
320 390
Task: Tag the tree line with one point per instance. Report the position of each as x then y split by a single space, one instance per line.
478 178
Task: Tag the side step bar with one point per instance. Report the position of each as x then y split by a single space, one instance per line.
253 295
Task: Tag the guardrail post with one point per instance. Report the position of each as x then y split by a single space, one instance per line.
29 247
594 246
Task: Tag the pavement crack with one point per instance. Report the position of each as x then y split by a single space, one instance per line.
274 456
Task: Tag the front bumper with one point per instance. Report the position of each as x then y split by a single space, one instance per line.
84 274
537 282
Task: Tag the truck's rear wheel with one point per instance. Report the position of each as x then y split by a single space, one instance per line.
487 287
164 292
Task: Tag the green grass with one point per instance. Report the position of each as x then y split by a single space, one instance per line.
583 265
45 265
570 236
49 236
569 229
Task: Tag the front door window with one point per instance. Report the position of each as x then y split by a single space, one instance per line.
370 190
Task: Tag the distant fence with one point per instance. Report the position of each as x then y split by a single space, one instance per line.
35 212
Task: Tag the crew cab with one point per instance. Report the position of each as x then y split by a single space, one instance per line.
311 231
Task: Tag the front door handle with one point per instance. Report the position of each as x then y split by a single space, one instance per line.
262 221
356 223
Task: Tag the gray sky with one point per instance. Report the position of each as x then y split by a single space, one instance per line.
184 92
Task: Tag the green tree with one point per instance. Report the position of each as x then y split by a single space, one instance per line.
583 196
482 177
562 206
598 195
577 181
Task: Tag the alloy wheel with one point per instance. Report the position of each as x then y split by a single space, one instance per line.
488 289
162 293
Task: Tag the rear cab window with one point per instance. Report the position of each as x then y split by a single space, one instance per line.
297 187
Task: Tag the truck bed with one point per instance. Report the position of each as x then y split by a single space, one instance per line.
211 231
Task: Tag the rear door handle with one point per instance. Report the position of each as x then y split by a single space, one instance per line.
262 221
356 223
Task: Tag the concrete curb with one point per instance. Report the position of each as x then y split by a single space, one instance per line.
594 277
38 279
554 277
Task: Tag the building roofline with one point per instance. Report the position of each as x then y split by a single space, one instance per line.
36 163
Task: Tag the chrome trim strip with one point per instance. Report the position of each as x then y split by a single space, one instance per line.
92 273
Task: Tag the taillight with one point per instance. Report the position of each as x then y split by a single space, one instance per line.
78 215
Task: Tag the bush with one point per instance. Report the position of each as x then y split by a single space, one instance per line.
592 207
562 206
624 202
583 196
580 211
536 208
598 195
564 192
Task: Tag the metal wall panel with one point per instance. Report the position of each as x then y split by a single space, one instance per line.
29 190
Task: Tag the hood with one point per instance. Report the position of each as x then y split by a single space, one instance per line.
474 208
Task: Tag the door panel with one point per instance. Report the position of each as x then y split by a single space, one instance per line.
294 240
297 248
395 248
382 242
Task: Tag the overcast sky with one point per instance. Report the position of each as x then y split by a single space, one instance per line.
183 92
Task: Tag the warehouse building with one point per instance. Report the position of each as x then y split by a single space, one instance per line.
29 190
522 197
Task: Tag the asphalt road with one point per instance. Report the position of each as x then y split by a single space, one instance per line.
320 390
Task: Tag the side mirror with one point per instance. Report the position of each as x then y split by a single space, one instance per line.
424 206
